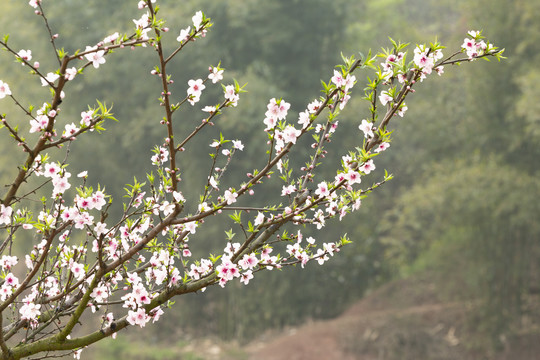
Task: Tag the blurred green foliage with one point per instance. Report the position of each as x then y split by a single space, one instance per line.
464 204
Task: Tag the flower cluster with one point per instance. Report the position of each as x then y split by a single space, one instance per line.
198 27
425 59
474 46
145 258
276 110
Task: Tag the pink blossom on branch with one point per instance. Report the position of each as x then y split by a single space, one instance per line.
34 3
216 74
5 214
4 89
25 55
367 128
130 267
96 57
184 34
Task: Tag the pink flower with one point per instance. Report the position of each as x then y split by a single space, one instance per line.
344 100
161 156
248 261
230 197
77 353
26 55
293 249
423 60
287 190
4 89
195 87
11 280
34 3
231 95
86 117
51 170
385 97
216 75
321 256
5 291
290 134
353 177
277 109
401 111
330 248
319 219
70 130
69 214
191 227
167 208
97 58
30 311
259 219
314 106
227 270
77 270
382 146
70 73
265 253
7 261
367 128
213 183
350 80
140 294
468 44
97 201
138 317
195 272
303 119
100 228
245 277
143 21
60 184
100 293
156 314
338 79
82 219
5 214
237 144
111 38
209 109
322 190
39 123
367 167
82 203
50 78
270 123
203 207
184 34
197 19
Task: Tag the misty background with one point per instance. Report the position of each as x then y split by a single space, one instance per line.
462 212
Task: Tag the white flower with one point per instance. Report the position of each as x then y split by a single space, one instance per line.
4 89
